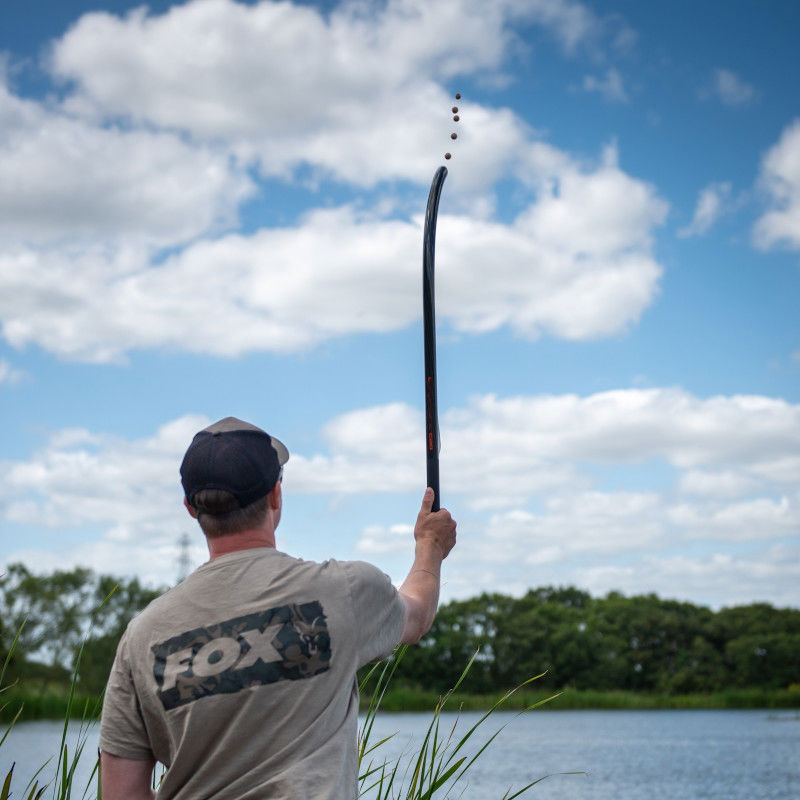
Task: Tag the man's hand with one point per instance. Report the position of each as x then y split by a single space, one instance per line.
437 527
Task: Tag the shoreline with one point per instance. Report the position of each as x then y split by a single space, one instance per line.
52 706
400 700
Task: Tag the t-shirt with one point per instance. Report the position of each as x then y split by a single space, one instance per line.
242 679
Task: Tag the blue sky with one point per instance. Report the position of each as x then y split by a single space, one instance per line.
215 208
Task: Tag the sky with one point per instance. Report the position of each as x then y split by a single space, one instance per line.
215 208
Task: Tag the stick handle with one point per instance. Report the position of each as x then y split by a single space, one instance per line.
432 442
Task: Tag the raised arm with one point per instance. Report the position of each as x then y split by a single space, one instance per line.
435 537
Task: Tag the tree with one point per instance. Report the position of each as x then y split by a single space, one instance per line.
57 613
116 602
50 611
771 660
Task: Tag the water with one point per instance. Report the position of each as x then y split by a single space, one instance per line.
627 755
633 755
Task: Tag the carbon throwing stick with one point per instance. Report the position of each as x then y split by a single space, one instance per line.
432 443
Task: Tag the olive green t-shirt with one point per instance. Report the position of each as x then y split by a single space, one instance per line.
242 679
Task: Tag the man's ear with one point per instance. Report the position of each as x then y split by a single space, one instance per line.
275 497
191 511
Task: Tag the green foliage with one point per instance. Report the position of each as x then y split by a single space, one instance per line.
640 644
770 660
118 601
64 612
54 609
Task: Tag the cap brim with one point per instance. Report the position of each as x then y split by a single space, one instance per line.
280 449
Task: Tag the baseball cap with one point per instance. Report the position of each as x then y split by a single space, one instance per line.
234 456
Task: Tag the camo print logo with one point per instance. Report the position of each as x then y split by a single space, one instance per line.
285 643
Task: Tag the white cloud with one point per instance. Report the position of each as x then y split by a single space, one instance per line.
731 89
711 204
734 458
576 523
771 574
610 86
163 112
82 478
531 446
780 179
728 483
576 263
379 540
747 520
572 23
154 561
62 178
8 374
358 92
634 425
535 446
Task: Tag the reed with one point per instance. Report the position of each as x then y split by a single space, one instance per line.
440 764
63 763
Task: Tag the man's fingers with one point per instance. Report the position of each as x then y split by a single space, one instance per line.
427 501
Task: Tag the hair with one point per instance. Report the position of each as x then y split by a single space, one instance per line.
219 513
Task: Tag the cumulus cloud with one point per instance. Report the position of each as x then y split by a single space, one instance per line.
531 502
379 540
747 520
770 574
9 374
727 483
65 178
576 523
80 478
780 180
116 200
532 446
634 425
576 263
711 204
729 88
155 561
356 92
611 86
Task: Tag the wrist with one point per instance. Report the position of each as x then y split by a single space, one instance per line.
429 554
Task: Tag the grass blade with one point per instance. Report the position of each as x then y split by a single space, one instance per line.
6 790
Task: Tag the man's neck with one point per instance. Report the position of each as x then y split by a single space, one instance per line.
244 540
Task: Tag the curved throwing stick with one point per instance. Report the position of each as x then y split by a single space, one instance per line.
432 442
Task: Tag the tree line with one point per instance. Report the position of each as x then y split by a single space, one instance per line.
59 616
642 643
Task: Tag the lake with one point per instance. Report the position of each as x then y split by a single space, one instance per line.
627 755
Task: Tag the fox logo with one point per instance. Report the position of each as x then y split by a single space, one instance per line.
289 642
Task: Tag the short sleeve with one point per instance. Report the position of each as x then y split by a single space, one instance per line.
122 729
378 608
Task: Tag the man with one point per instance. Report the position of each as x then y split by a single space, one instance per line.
242 679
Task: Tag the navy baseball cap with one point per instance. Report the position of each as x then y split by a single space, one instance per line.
234 456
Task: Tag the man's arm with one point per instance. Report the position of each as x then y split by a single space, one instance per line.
125 778
435 536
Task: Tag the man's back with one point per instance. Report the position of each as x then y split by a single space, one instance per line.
242 679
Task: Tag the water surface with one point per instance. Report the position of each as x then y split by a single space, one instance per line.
626 755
